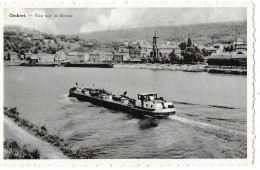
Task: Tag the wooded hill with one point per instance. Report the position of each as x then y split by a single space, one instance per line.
199 33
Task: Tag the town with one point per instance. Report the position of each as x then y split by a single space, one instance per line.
57 50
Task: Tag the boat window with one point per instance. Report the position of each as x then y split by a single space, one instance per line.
151 106
146 105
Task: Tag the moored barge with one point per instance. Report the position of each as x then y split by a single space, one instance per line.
101 65
147 104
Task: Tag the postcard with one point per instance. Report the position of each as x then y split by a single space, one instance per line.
127 83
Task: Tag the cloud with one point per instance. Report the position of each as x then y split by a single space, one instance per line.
40 23
86 20
117 19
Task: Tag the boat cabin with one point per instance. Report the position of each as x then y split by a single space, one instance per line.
150 101
147 96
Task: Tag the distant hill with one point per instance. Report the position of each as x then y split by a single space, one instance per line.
199 33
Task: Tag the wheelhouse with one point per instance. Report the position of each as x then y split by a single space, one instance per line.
147 96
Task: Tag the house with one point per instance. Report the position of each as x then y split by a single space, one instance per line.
241 47
201 47
238 41
28 38
123 50
120 57
33 59
37 37
27 55
60 56
219 47
145 49
210 50
11 56
101 57
44 57
48 40
77 57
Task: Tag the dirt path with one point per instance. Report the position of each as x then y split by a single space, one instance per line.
13 131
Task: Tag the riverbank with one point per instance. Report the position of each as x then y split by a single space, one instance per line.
14 132
184 67
50 146
170 67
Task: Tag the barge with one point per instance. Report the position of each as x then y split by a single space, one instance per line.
101 65
146 105
39 64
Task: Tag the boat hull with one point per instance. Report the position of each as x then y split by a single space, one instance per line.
137 112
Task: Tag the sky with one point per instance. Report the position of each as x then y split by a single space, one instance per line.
87 20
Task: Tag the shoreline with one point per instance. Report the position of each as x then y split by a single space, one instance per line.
184 68
168 67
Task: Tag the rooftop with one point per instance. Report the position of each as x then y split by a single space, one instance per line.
76 53
145 94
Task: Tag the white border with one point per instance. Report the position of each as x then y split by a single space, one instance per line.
144 162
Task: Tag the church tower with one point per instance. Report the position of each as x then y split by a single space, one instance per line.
155 48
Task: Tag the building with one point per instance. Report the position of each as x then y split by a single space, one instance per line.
37 37
11 57
238 41
160 52
123 50
210 50
44 57
145 49
60 56
155 51
33 59
120 57
77 57
27 55
241 47
219 47
228 59
101 57
48 40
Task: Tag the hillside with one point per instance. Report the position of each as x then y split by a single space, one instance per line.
200 33
22 40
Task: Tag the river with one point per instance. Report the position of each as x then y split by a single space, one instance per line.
211 118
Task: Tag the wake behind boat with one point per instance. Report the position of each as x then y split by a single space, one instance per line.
147 104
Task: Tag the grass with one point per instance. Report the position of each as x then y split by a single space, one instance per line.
14 151
42 132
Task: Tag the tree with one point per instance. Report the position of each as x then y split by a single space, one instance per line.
35 51
183 46
173 57
205 53
189 43
192 55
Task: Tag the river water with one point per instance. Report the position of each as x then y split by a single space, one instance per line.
210 121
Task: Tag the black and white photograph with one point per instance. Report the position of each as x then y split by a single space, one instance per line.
127 83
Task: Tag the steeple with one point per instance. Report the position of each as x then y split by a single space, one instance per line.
155 34
155 48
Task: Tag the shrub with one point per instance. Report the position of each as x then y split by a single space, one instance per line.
17 152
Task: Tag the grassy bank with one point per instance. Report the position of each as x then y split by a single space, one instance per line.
12 150
43 134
